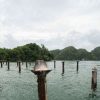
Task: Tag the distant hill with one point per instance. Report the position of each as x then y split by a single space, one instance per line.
55 52
68 53
71 53
96 53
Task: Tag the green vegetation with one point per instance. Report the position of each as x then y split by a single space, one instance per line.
71 53
28 52
32 52
96 53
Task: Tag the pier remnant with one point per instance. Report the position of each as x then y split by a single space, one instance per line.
94 79
63 67
54 64
1 64
41 70
77 65
19 63
8 65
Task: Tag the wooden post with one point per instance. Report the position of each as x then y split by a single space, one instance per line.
1 64
94 79
54 64
63 68
8 65
41 87
19 67
77 66
41 70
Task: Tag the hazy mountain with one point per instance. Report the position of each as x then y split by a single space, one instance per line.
71 53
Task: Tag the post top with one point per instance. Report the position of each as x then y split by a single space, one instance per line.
40 65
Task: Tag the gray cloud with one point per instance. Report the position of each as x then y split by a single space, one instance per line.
55 23
9 41
88 41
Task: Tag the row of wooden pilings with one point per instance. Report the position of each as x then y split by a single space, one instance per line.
63 66
19 63
7 63
94 74
41 70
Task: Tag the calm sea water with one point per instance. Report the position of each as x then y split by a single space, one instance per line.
69 86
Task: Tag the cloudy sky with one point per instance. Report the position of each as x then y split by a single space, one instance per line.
54 23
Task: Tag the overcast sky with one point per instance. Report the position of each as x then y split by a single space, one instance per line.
54 23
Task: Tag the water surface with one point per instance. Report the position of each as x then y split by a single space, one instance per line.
68 86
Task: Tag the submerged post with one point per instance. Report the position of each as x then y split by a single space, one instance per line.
54 64
94 79
1 64
63 68
8 65
77 66
19 63
41 70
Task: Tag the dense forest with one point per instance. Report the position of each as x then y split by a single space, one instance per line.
71 53
28 52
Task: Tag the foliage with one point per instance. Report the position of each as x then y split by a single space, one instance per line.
32 52
28 52
55 52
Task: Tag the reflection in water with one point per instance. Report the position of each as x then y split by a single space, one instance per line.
92 95
62 74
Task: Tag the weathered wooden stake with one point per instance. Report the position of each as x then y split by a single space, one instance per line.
8 66
19 67
54 64
63 68
77 66
94 79
1 64
41 71
41 87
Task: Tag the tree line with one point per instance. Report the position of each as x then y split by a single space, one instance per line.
28 52
32 52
